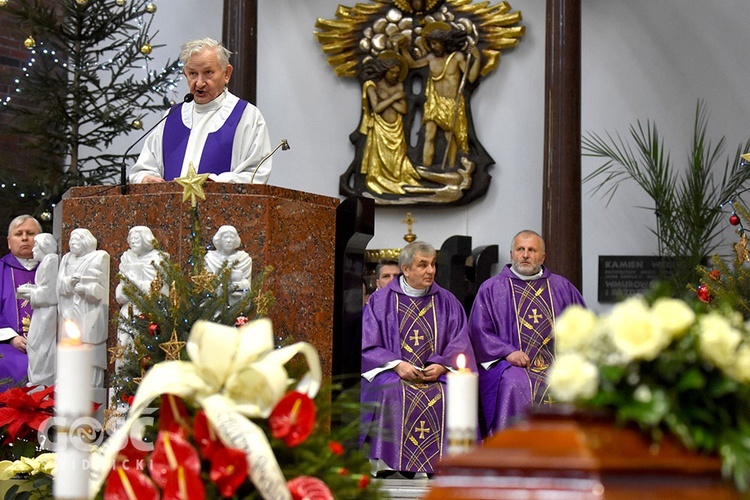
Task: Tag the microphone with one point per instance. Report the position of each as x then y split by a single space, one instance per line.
124 169
283 145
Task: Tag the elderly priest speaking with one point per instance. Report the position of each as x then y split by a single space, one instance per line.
217 132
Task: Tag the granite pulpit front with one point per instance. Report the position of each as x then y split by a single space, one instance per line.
290 230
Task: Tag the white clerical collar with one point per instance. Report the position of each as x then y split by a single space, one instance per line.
411 291
528 278
212 105
29 264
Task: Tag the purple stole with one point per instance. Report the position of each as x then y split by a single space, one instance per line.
423 409
216 157
535 316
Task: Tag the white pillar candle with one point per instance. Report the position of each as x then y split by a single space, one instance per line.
73 402
463 407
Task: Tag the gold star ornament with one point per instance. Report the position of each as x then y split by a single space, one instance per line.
746 157
192 185
204 282
172 348
116 353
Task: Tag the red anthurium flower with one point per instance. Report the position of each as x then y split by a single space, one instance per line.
293 418
129 455
184 485
228 471
174 415
129 484
336 448
23 412
171 452
309 488
208 442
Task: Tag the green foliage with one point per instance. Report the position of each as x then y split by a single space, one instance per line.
686 200
86 85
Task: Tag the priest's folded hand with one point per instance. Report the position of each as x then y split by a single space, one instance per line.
407 371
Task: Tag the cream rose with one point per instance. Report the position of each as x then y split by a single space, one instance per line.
574 329
674 315
572 378
741 370
718 340
635 332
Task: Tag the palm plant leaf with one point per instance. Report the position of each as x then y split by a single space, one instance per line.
686 201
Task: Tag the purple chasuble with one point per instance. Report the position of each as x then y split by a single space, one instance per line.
510 314
15 313
404 422
216 157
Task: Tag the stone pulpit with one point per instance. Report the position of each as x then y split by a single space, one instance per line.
292 231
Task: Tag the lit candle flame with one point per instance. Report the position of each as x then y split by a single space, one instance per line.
461 362
72 334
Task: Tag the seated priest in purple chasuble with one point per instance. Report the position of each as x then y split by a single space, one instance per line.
16 269
412 333
511 329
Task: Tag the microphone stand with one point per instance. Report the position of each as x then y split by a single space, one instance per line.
284 145
124 169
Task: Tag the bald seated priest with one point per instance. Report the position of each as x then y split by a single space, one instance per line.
219 133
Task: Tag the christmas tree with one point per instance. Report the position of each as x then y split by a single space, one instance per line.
88 80
727 284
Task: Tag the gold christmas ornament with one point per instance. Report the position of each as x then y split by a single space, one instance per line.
46 216
192 185
150 8
172 348
146 49
137 124
120 2
81 2
29 43
3 3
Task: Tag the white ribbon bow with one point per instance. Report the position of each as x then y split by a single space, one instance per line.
234 374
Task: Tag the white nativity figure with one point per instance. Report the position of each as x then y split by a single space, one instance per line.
227 241
41 343
83 297
139 265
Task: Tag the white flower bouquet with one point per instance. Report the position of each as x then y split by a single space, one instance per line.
666 366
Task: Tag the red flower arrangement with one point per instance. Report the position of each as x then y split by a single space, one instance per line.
174 466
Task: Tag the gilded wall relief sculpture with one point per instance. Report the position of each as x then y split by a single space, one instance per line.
418 63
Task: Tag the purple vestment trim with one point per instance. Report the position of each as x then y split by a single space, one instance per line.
216 157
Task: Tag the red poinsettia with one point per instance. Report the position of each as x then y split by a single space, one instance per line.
228 471
129 484
23 412
171 453
293 418
309 488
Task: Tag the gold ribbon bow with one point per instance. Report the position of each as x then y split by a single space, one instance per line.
234 374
